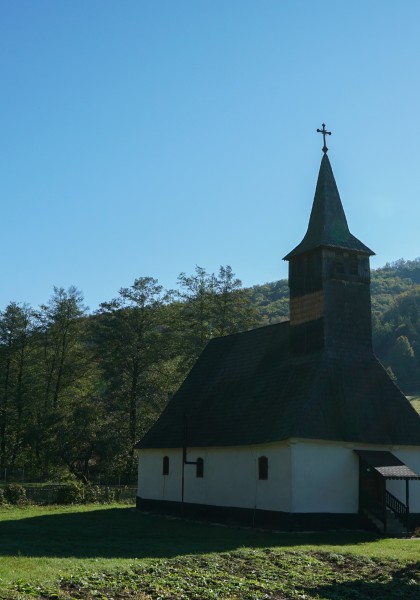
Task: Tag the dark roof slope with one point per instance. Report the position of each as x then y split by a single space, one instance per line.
328 224
246 389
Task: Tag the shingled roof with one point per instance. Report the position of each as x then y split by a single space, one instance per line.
386 464
247 389
328 224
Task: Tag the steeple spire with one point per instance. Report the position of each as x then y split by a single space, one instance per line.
329 278
328 224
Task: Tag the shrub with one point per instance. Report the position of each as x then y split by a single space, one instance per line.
3 500
93 494
107 495
15 494
71 493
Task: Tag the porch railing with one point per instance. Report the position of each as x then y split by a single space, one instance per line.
398 508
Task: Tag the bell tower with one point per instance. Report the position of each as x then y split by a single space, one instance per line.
329 278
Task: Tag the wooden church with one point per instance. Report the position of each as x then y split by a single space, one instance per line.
294 425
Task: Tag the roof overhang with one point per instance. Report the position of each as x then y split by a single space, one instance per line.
386 464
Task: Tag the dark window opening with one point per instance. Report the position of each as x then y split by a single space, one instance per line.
353 264
165 465
199 468
339 262
263 467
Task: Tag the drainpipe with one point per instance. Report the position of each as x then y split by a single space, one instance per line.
184 462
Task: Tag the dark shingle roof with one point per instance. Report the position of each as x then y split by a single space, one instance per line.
328 224
247 389
387 464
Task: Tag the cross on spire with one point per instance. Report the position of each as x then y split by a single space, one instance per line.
324 133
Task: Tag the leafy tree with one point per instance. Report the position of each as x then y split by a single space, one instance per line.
132 341
64 369
211 306
16 326
402 360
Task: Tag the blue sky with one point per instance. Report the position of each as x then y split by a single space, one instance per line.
140 138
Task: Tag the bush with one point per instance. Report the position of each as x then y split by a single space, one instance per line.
92 494
107 495
71 493
15 494
3 500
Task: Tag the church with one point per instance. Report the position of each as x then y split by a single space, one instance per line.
294 425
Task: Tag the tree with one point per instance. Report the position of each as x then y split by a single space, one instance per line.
16 326
64 368
402 361
211 306
132 341
232 309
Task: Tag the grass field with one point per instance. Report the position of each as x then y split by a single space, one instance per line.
415 401
117 552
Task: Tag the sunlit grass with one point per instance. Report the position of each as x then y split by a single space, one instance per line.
415 401
42 544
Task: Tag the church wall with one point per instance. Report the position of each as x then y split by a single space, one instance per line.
151 481
325 478
230 477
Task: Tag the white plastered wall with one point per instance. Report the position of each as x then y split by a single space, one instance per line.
304 476
230 477
325 478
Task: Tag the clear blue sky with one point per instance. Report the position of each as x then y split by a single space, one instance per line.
145 137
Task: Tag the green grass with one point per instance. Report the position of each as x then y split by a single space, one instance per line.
415 401
69 552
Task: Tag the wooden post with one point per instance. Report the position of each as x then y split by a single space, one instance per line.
407 504
384 504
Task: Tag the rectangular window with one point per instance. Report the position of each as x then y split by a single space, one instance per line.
165 465
263 467
199 468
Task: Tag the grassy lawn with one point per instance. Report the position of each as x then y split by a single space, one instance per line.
415 401
117 552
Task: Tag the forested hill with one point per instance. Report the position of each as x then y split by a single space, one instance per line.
395 310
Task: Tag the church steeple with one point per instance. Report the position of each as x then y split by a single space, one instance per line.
328 224
329 277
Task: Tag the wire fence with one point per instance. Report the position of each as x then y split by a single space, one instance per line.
17 493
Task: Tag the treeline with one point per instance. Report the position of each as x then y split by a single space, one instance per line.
395 317
77 390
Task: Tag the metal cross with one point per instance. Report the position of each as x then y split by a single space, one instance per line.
324 133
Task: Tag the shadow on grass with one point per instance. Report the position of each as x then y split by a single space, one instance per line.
128 533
